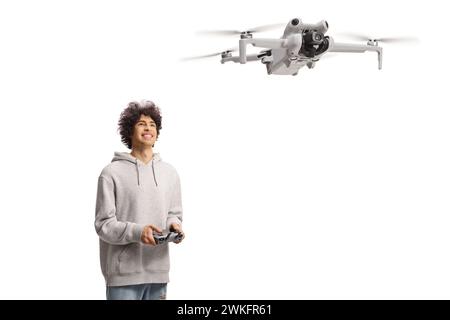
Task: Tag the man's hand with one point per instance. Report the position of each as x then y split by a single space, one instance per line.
175 227
147 234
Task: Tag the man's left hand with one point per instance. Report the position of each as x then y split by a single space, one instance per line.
175 227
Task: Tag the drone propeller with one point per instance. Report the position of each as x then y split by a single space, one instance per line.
209 55
362 37
237 32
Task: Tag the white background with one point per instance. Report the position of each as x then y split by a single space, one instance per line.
330 185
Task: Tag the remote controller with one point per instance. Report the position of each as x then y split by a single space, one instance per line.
167 237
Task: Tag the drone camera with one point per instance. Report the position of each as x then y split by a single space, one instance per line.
313 37
314 43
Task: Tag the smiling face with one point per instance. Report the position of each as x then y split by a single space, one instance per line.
144 133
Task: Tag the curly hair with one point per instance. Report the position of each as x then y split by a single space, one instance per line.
130 116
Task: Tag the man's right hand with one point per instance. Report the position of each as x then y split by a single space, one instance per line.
147 234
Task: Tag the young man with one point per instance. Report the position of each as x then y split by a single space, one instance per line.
138 195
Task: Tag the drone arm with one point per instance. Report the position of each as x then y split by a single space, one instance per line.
263 43
253 57
347 47
250 57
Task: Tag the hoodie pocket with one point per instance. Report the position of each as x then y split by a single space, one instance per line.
130 259
156 258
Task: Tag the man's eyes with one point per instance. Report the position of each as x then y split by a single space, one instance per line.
151 124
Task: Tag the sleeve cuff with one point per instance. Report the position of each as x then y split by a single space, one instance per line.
137 232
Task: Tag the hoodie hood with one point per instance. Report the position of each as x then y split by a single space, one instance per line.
125 156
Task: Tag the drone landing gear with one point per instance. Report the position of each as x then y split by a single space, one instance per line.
370 46
374 43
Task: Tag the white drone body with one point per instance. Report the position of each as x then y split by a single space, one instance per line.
301 45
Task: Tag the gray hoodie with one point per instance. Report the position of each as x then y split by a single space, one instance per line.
131 195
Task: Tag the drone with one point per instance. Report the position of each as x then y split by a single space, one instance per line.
301 45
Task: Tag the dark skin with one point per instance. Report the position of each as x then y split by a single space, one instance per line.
142 141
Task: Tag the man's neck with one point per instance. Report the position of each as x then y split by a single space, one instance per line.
145 155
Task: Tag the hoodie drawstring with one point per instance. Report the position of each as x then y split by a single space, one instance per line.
153 170
154 177
137 171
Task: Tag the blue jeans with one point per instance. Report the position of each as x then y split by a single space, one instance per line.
145 291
